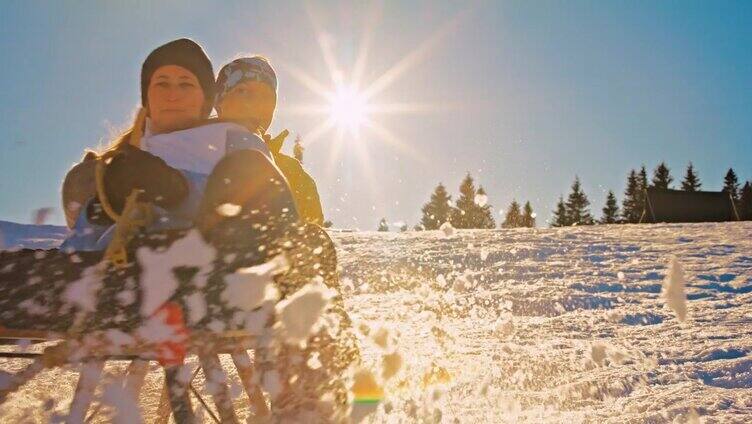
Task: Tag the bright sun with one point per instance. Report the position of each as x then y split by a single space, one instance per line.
348 108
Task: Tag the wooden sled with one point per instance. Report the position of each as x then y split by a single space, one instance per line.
312 255
175 397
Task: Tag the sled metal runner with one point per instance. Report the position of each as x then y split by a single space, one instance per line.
175 397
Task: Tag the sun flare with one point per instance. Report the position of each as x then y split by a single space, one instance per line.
348 108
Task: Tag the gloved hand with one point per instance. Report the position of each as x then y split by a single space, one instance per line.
133 168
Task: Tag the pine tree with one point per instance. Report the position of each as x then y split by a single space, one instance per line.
383 225
298 149
513 218
662 176
403 227
560 218
485 212
464 215
642 186
731 184
438 210
528 216
630 205
691 181
745 202
578 204
611 210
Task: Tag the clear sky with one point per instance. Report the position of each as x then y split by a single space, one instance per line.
524 95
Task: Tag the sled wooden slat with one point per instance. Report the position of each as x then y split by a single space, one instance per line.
179 395
33 335
222 399
134 378
91 372
163 409
243 364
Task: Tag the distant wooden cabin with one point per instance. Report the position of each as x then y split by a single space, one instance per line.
662 205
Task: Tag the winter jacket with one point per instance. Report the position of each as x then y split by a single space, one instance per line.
302 185
193 152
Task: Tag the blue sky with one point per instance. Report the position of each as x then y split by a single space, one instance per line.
524 95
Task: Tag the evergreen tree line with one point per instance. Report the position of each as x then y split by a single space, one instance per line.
575 210
470 210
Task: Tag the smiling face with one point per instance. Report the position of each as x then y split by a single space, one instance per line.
251 103
175 99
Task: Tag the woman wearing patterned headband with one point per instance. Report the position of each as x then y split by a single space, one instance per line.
247 94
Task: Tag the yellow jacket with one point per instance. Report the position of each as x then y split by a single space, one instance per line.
302 185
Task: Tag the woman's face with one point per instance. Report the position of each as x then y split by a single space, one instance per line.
175 99
249 102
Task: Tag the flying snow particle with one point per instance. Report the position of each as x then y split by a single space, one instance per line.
673 289
504 325
83 292
158 279
196 304
299 313
40 215
447 229
124 406
247 288
483 254
381 337
481 200
620 275
461 284
313 361
390 365
272 383
228 209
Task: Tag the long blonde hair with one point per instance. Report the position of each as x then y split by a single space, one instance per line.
132 135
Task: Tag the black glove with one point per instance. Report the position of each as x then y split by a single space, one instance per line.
133 168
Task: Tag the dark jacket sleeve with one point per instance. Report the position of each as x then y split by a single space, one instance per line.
78 188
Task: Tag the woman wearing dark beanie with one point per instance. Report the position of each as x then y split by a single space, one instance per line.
177 92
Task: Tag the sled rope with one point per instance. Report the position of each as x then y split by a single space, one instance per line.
136 214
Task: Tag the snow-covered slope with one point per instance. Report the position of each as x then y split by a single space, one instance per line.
536 325
13 235
561 325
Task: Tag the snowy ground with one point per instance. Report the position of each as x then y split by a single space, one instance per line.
562 325
548 325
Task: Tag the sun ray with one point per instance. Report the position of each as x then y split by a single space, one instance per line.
361 152
336 148
413 58
303 109
410 108
391 139
372 17
324 40
306 80
314 134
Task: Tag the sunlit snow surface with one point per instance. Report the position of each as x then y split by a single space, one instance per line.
526 325
548 332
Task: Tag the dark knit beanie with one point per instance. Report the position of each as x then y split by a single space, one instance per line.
185 53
